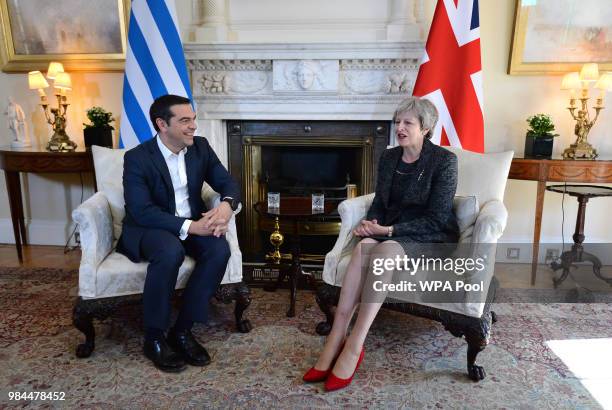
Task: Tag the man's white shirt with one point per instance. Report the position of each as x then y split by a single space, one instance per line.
178 174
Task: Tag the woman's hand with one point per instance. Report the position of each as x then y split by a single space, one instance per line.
370 228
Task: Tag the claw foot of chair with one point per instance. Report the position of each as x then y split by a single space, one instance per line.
244 326
475 346
476 373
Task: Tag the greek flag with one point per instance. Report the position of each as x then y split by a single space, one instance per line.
154 66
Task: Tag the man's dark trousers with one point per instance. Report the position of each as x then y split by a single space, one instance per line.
165 253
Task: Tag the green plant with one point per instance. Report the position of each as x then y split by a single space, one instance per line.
99 117
541 126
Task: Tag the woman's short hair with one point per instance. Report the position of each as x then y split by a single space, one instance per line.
423 109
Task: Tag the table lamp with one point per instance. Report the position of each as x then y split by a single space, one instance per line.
581 82
56 117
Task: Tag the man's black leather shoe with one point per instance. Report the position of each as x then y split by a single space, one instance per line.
187 346
163 357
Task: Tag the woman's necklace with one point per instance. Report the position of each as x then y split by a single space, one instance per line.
397 171
411 164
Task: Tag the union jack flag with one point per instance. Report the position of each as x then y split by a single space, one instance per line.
450 75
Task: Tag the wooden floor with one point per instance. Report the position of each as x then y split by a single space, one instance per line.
510 275
40 256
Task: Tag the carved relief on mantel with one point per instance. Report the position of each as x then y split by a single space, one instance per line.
378 82
383 76
249 82
232 83
230 77
305 75
214 83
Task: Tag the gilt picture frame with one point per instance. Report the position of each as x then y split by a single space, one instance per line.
559 36
84 35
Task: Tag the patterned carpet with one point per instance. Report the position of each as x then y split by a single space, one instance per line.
410 362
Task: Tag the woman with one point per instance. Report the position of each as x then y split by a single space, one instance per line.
413 203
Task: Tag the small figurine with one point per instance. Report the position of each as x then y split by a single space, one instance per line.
18 128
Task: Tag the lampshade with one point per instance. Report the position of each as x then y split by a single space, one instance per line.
54 69
62 81
589 72
36 80
605 82
571 81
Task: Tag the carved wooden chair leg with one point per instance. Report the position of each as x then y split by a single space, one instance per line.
85 311
327 297
243 300
82 318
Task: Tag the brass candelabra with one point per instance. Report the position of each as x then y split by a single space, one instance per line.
581 148
56 117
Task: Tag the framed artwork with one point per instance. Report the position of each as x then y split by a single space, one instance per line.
558 36
84 35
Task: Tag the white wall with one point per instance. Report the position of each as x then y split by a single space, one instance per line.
509 100
50 198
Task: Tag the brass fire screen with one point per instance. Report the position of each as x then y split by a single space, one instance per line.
254 143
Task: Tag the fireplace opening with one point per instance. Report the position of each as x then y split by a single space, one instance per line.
302 171
298 158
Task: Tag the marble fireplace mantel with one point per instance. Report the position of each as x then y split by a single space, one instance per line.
298 81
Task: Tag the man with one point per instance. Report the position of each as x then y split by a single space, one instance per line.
166 218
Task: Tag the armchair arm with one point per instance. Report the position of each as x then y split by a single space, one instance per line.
351 211
96 229
490 223
233 272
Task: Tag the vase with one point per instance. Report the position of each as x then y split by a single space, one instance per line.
101 136
540 147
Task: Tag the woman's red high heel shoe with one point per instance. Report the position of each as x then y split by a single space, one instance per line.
313 375
333 382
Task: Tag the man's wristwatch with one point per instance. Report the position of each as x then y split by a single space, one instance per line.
390 231
232 202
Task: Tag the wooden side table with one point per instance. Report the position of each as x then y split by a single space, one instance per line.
556 170
577 254
35 160
293 210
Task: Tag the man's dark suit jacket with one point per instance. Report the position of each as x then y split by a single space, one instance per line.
149 194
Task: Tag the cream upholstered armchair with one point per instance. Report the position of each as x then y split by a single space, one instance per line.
107 278
481 217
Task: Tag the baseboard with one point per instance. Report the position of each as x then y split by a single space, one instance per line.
39 231
521 251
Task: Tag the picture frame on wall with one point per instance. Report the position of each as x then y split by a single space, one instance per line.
559 36
84 35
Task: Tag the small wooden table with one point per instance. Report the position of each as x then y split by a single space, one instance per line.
293 210
37 160
577 254
556 170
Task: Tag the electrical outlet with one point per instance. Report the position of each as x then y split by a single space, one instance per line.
513 253
551 255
